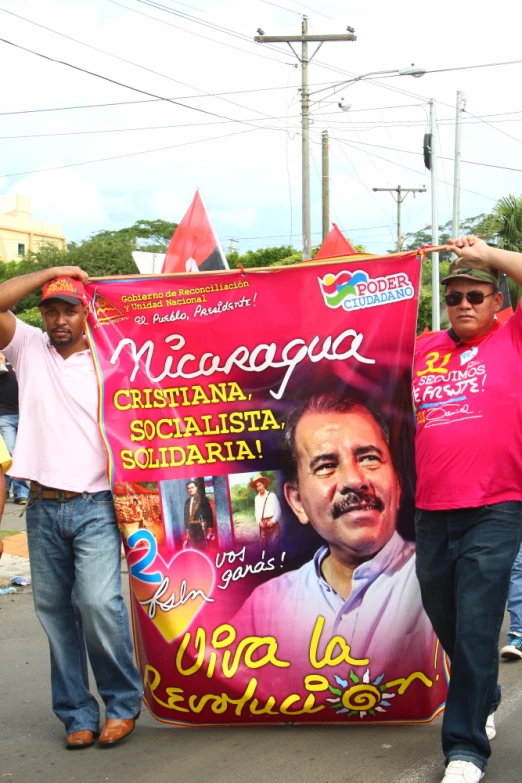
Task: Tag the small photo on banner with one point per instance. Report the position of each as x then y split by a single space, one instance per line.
138 507
196 513
256 500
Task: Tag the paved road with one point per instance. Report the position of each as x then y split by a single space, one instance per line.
31 739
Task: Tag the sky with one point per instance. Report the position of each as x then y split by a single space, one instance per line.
242 149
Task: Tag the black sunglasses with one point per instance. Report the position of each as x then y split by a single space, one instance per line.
473 297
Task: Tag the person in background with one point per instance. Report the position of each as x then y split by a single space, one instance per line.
5 464
513 649
9 424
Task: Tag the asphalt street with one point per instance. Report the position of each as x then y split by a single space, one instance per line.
31 738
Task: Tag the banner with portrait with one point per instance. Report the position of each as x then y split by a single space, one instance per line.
260 439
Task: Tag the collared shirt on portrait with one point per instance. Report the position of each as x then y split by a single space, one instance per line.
382 618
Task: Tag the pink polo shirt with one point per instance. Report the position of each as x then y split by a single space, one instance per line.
468 403
58 443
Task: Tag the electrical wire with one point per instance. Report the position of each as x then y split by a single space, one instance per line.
314 233
309 7
127 86
442 157
290 10
128 62
421 173
186 97
125 155
200 35
126 130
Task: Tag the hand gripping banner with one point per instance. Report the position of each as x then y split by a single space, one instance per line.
259 431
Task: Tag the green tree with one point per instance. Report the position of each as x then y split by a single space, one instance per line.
503 227
284 255
151 236
264 256
472 225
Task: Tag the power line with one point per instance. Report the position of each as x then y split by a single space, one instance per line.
412 152
468 67
421 173
309 7
200 35
290 10
126 155
124 60
126 86
128 130
279 236
494 127
186 97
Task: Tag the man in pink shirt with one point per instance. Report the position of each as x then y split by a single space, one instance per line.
74 543
467 391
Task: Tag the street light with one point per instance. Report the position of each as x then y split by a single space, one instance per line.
411 70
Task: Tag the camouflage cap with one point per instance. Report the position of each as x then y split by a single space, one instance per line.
465 269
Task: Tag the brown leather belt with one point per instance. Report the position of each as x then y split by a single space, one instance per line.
49 493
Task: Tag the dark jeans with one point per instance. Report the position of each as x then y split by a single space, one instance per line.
464 561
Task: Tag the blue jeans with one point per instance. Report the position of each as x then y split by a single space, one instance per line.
464 560
515 596
8 430
74 551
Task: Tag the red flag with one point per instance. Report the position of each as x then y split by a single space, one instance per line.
335 244
194 246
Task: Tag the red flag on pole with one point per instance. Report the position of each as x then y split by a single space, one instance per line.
194 246
335 244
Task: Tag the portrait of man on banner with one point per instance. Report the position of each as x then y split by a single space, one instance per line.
341 479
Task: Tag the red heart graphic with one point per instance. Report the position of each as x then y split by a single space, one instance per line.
186 586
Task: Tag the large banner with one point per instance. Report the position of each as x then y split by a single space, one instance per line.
259 431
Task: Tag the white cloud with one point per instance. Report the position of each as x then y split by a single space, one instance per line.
244 178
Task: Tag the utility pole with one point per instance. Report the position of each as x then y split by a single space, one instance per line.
304 39
325 179
435 278
232 247
399 198
461 103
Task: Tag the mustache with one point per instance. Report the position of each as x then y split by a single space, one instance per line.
357 501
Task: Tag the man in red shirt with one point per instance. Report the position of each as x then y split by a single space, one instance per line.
467 390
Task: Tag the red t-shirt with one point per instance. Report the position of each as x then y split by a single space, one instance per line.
468 405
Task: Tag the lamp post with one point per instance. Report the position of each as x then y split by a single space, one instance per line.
411 70
304 58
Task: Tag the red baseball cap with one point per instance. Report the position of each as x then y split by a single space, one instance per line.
69 289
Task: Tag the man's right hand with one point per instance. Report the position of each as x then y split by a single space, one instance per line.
69 271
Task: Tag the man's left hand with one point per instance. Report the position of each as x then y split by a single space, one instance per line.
471 248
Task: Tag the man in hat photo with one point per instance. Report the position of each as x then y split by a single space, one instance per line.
267 511
467 391
74 542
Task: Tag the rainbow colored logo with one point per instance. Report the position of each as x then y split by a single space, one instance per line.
336 288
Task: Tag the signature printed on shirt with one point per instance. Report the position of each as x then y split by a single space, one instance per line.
448 413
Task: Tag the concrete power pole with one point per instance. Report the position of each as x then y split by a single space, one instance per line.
304 39
399 198
435 276
325 179
461 103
